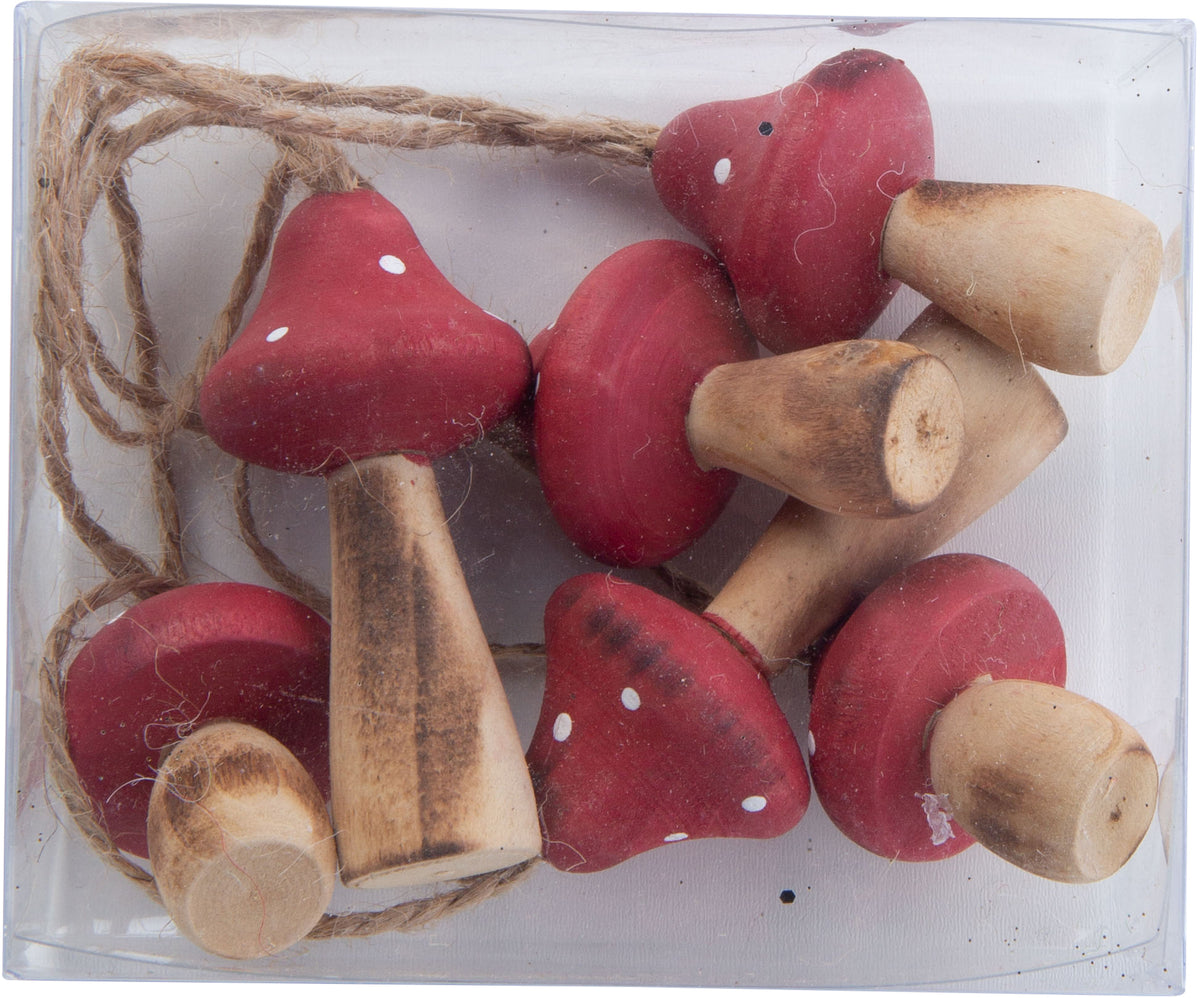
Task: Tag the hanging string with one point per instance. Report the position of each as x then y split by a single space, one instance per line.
106 106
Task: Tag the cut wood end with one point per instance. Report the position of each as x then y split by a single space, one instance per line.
1117 812
256 899
1010 412
924 435
240 842
1047 779
1129 295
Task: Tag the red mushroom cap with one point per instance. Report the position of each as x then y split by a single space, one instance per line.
220 650
926 633
615 380
791 190
653 729
359 347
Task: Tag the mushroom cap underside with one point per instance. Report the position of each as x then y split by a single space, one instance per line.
169 664
615 380
926 633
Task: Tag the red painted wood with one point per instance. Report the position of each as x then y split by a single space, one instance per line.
791 189
359 347
616 373
179 659
654 729
921 637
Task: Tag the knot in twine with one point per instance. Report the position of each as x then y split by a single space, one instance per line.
107 104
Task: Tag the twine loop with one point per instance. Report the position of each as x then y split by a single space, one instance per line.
107 105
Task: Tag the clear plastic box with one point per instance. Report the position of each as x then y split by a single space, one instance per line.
1101 526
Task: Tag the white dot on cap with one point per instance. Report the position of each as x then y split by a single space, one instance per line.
277 334
755 803
722 169
675 837
392 264
562 727
630 698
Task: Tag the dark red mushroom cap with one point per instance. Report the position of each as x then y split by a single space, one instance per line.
359 347
654 729
219 650
925 634
615 380
791 190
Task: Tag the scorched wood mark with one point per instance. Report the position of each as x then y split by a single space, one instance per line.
448 708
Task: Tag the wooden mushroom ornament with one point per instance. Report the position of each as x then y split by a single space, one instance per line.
177 660
650 397
938 719
240 842
810 568
791 189
820 198
612 782
654 729
635 684
363 364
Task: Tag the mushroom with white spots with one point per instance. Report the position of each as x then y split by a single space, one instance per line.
384 367
941 718
804 576
790 190
651 399
821 201
654 729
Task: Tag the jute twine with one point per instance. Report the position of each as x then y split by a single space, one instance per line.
106 105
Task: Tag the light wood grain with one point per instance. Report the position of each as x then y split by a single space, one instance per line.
811 567
1051 781
428 774
240 842
1064 278
860 428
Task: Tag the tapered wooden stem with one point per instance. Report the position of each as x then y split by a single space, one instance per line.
810 567
240 842
1064 278
860 428
1045 778
428 775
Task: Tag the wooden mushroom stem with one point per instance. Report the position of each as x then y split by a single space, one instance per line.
1064 278
860 428
810 567
428 777
240 842
1049 780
